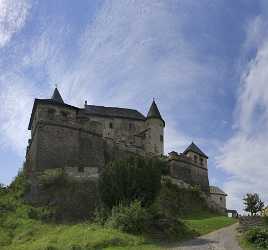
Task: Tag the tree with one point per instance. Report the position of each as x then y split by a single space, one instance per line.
124 181
253 203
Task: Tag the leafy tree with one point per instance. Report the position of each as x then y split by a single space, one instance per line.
253 203
124 181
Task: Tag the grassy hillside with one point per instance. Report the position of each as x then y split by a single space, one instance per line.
205 223
22 233
23 227
36 236
19 232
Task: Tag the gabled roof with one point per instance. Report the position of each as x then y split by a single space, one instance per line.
195 149
216 190
56 96
114 112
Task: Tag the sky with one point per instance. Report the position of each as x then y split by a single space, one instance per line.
205 63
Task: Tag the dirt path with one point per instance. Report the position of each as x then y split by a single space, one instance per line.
223 239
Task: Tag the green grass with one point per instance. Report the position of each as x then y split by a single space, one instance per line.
22 233
33 235
19 232
202 224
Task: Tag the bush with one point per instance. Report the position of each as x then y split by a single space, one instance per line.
41 213
128 180
20 185
174 201
165 226
3 189
266 219
129 219
258 236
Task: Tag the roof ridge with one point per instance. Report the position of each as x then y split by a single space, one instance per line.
111 107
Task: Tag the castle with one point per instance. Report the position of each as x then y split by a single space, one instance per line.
82 140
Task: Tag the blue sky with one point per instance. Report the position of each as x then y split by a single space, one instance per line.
204 62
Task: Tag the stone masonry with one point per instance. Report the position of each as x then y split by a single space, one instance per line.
82 140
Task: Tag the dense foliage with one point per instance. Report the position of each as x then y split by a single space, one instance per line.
124 181
178 201
253 204
258 236
141 202
130 219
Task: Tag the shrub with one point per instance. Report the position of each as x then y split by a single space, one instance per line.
266 219
41 213
51 177
258 236
20 185
3 189
130 219
174 201
128 180
162 225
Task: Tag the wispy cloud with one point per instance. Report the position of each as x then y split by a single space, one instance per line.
245 155
13 15
131 52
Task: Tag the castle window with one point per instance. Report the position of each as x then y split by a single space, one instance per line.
195 158
111 125
161 138
130 125
81 170
64 114
220 198
201 161
51 113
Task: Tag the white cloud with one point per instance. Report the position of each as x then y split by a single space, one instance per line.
245 155
131 52
13 15
16 102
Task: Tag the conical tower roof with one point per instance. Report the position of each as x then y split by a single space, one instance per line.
154 112
56 96
195 149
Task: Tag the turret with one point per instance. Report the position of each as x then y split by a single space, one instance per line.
56 96
155 131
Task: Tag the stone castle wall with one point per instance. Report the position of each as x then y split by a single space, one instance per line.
62 140
185 169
